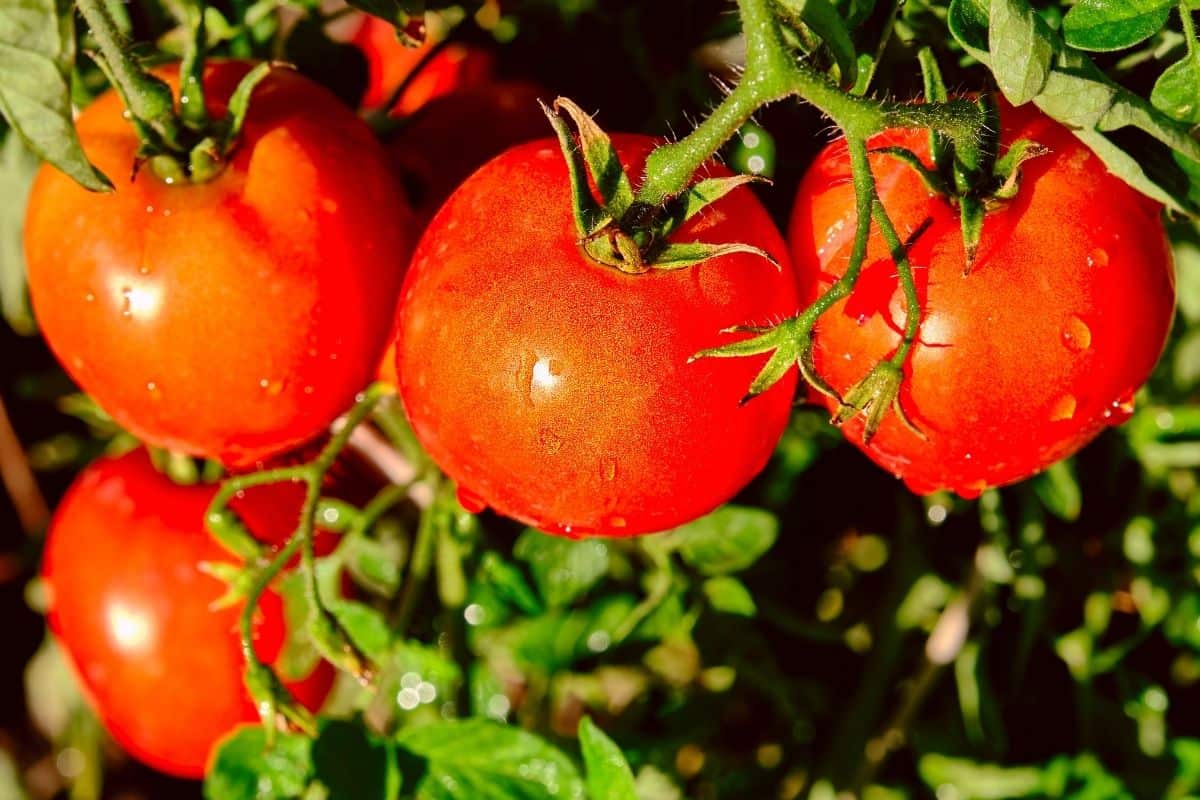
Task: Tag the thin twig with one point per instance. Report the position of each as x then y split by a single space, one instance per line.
19 480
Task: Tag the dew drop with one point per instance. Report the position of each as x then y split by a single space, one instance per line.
1098 258
90 297
329 205
127 303
1064 409
1120 410
154 390
1077 335
972 490
143 270
608 469
470 501
617 522
550 441
149 209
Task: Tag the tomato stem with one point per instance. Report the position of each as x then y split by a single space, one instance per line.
327 634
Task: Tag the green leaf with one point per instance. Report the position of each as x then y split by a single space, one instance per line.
1113 24
18 165
37 54
298 657
1177 90
973 781
730 596
1059 491
508 582
351 765
483 760
967 21
555 640
564 570
365 626
704 193
245 768
608 774
823 19
728 540
1022 47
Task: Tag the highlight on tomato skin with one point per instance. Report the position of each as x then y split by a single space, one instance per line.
1029 357
561 392
132 607
236 318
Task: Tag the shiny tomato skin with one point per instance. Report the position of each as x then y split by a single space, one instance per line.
231 319
389 63
131 607
1027 358
432 156
559 391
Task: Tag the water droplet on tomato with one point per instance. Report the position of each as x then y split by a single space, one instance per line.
1098 258
972 490
143 270
1064 409
550 441
608 469
149 209
1077 335
470 501
617 522
273 388
90 297
329 205
153 389
1120 410
127 302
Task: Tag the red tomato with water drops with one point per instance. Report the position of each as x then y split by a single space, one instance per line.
560 392
231 319
390 62
133 609
1027 358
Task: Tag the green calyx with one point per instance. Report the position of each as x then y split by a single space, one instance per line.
614 228
180 142
968 173
873 397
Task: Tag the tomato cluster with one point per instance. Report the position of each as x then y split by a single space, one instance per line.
235 319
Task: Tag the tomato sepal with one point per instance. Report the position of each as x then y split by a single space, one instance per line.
872 397
275 704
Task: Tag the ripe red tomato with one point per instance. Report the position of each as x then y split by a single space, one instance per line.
559 391
235 318
1027 358
432 157
389 62
132 609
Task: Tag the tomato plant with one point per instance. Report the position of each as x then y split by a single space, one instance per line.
693 586
1029 356
560 391
215 318
136 611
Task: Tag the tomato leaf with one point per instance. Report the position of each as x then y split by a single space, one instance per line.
608 773
246 768
1177 90
352 765
364 625
484 760
559 638
1113 24
823 19
17 167
729 596
37 53
564 570
1022 47
1059 491
729 539
508 582
298 657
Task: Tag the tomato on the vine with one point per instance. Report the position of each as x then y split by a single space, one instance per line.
1025 359
234 318
562 392
390 63
133 608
